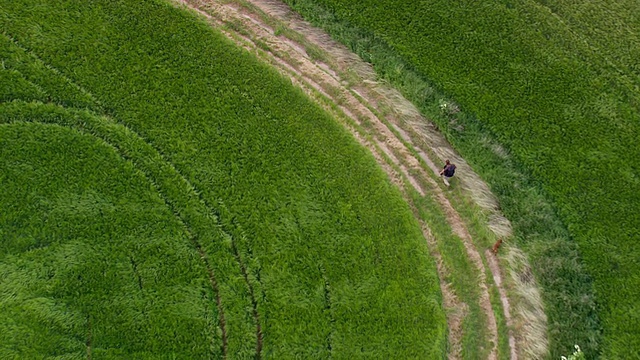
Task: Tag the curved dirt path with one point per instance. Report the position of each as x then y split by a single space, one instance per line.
406 145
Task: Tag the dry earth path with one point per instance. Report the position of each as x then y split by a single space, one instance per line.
405 144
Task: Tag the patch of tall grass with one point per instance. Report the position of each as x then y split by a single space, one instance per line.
91 257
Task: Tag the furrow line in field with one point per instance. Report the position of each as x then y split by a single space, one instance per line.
328 309
155 154
93 102
301 82
457 309
407 124
188 231
196 243
136 273
181 220
214 285
399 174
497 278
254 303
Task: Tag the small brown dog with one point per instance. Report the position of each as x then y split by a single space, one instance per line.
496 246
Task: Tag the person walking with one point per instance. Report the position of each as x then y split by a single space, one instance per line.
447 172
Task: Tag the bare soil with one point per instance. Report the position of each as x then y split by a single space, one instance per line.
384 122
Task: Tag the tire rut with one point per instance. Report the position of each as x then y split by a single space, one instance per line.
214 285
254 303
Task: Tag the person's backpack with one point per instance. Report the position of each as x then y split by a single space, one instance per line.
450 170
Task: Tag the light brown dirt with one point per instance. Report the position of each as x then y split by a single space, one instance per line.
388 136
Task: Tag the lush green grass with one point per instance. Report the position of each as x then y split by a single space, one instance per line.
92 255
201 227
247 169
560 90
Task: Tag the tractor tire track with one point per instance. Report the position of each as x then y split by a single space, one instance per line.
254 302
457 310
384 144
214 285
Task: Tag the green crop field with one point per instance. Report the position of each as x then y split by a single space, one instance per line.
166 195
558 84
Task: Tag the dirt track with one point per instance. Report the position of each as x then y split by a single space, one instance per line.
343 79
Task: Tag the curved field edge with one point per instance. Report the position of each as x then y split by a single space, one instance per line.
332 281
567 289
85 272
